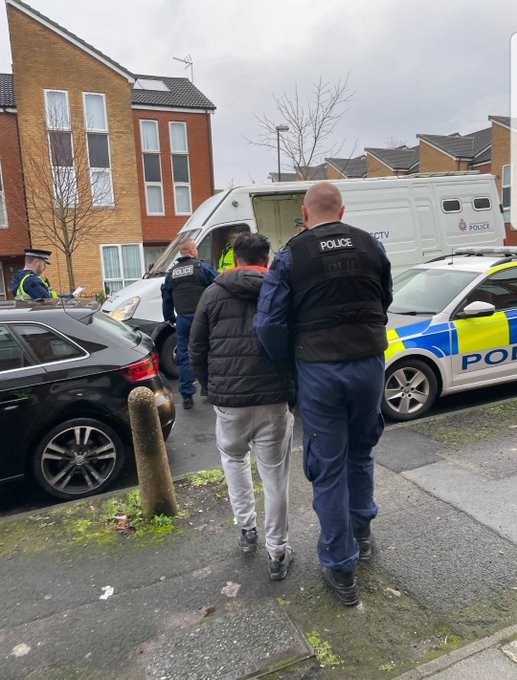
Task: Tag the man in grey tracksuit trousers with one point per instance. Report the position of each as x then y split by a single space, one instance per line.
251 394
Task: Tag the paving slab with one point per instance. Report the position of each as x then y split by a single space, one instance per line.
492 502
214 649
490 664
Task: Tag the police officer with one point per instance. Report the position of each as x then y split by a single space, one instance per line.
28 283
326 296
181 292
227 260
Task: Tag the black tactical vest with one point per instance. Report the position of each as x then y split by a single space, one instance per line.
337 305
187 286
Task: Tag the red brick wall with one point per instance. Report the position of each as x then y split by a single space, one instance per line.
15 238
162 228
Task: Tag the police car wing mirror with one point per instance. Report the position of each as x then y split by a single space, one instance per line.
476 308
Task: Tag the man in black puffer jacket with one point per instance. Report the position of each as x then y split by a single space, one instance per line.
251 395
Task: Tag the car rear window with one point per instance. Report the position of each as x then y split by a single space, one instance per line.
46 345
11 353
110 327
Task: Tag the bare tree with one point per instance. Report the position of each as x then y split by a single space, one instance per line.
393 142
311 124
66 197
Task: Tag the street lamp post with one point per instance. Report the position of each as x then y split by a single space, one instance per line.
279 129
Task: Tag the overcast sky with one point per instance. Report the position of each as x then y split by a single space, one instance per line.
426 66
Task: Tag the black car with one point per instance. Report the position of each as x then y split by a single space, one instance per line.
66 371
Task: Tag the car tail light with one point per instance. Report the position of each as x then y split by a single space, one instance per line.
142 370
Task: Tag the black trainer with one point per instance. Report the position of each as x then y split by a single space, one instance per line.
203 392
366 543
278 568
188 402
248 540
344 584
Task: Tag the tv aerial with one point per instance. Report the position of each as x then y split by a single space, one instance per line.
187 60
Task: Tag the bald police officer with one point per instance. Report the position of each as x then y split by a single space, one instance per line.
325 298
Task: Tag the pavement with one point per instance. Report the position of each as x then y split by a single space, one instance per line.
439 599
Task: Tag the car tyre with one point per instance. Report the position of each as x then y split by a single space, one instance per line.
410 389
168 356
78 458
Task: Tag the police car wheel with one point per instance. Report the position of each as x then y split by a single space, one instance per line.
410 390
78 458
168 356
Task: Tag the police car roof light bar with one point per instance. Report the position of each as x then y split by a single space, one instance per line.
507 251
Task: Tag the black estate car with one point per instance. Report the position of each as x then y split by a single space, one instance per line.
66 371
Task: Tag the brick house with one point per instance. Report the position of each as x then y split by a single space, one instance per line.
14 230
502 133
346 168
396 162
451 153
173 138
82 112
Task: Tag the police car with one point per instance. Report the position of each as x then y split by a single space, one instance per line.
452 327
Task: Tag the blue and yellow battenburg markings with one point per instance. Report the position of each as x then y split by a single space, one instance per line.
464 336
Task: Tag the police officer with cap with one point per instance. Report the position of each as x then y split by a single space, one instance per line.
325 299
181 291
28 283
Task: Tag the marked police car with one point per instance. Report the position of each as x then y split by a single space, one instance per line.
452 327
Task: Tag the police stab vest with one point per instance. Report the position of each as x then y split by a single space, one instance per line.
187 285
21 293
336 282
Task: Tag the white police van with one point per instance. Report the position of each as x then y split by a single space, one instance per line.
416 218
452 327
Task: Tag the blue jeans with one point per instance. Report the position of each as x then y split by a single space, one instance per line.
186 374
339 404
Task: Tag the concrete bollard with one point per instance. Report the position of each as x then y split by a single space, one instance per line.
152 463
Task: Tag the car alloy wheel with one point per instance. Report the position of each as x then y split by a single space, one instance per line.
410 390
78 458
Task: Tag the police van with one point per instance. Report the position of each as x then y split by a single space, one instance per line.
452 327
416 218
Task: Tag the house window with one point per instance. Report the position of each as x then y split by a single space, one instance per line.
61 147
3 210
2 283
97 139
507 188
122 264
180 168
151 160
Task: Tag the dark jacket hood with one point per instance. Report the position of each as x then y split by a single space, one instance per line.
242 283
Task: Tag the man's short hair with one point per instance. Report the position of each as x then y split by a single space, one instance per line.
186 246
251 248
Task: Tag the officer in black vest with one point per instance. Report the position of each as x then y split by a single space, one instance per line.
325 299
181 291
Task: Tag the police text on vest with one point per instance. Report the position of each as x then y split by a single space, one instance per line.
336 243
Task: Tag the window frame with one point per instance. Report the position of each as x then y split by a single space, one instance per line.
506 208
476 198
186 153
56 169
152 152
472 293
449 212
125 281
3 203
99 131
